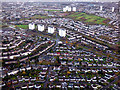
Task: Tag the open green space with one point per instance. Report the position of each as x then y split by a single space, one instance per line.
39 17
51 10
22 26
88 18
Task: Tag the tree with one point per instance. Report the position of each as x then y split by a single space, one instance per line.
79 59
66 42
68 72
23 72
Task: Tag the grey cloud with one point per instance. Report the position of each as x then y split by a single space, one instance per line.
59 0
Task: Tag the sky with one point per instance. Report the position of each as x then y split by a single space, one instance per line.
60 0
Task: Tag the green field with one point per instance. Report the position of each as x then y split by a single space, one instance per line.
36 17
39 17
51 10
88 18
22 26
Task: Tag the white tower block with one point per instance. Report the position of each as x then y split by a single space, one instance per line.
41 27
64 9
69 8
113 8
51 29
32 26
62 32
101 8
74 9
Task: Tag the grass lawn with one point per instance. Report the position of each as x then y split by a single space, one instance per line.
39 17
118 43
22 26
51 10
88 18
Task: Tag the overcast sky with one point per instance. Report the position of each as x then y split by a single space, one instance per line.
62 0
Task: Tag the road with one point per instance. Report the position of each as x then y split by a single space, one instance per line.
110 84
50 68
47 78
